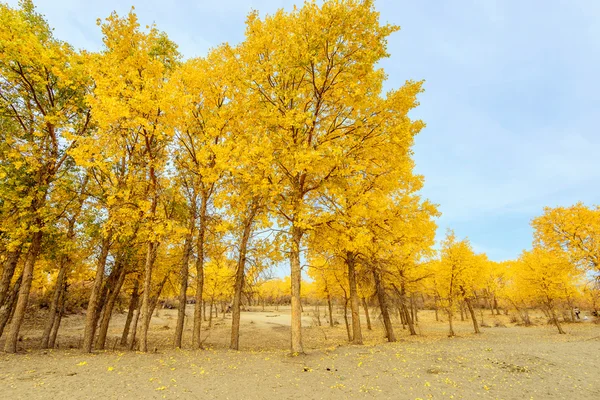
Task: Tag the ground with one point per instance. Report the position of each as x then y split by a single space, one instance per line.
504 362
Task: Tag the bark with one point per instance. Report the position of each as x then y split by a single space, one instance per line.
156 297
106 316
496 305
354 302
296 278
133 303
413 309
10 264
10 345
451 327
348 332
58 318
197 328
136 319
318 313
401 315
404 312
389 330
60 283
7 310
366 307
330 307
239 279
90 317
473 318
183 285
146 314
408 317
555 320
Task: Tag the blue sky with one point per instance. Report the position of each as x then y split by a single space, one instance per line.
511 102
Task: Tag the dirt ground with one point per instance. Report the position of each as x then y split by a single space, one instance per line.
504 362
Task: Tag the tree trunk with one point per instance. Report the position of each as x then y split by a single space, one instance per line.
134 330
401 315
154 299
354 302
413 309
58 318
408 317
197 329
318 313
496 305
555 320
10 302
183 284
90 317
383 306
10 264
472 312
348 332
239 280
106 316
146 314
404 312
296 279
133 303
60 283
450 316
330 307
366 307
10 345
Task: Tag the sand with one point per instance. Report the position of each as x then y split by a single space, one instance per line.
511 362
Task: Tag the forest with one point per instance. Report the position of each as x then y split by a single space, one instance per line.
133 179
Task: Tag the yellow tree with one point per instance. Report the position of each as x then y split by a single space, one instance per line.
455 273
130 102
545 276
494 280
575 230
42 93
202 112
313 72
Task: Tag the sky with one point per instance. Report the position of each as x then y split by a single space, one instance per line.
511 98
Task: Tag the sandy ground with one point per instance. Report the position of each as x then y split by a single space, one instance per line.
509 362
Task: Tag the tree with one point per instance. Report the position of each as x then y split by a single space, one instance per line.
455 273
42 93
313 72
202 114
545 276
131 99
574 230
